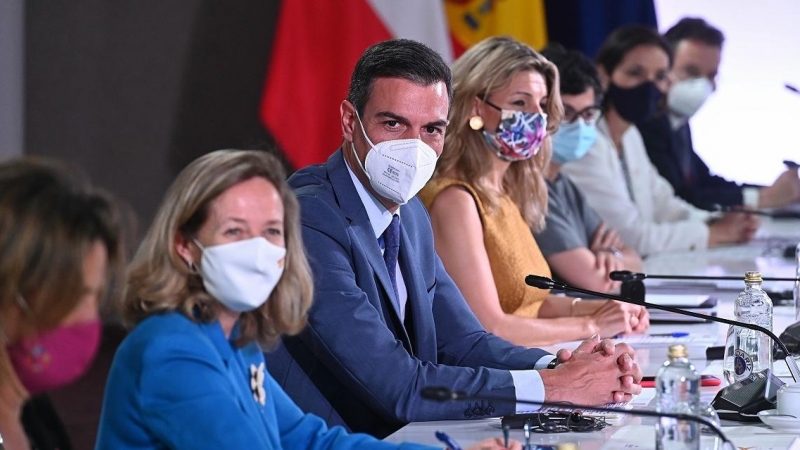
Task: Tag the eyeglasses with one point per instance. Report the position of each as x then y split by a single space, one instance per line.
589 115
491 104
554 422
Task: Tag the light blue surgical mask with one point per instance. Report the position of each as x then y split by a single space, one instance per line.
573 140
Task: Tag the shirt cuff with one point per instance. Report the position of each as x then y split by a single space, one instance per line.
750 197
543 362
528 385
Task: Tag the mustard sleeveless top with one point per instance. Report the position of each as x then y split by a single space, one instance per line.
513 253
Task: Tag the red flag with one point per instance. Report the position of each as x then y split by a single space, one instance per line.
317 44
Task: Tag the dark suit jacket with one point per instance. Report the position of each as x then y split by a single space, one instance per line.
356 364
672 153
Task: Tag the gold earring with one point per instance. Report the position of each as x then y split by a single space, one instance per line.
476 122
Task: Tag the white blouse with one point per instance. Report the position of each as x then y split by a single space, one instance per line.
652 218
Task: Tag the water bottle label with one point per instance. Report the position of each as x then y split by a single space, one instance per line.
742 364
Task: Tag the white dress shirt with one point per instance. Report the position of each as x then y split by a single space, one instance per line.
380 218
650 219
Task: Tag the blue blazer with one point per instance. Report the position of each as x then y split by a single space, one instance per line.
179 384
672 152
357 364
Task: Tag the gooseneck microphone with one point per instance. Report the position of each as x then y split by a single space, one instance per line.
633 283
740 401
546 283
443 394
627 275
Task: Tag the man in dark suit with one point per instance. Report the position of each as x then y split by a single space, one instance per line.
387 320
698 50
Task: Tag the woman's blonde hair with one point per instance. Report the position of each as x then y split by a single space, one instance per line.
486 68
159 280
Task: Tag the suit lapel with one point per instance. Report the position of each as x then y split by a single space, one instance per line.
366 240
354 210
417 305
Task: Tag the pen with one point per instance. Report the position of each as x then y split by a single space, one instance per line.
447 440
790 164
506 432
676 334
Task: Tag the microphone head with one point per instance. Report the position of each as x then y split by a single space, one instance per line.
541 282
626 275
439 393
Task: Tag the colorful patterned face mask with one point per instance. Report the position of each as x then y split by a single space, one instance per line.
519 134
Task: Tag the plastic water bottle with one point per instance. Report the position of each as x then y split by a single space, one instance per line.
797 284
677 391
749 351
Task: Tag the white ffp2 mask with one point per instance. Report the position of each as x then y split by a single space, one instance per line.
241 275
399 168
686 97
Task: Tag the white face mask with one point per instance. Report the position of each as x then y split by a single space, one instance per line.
686 97
242 274
398 169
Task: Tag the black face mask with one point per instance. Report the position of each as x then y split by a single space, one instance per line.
637 103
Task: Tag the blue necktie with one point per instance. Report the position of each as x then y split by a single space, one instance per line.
391 242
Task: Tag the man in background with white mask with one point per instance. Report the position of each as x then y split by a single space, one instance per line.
387 320
698 50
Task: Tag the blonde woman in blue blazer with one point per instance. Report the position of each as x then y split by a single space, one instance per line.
221 274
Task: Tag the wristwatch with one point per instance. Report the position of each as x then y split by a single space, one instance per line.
554 363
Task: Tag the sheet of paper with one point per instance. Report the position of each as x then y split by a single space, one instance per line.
640 401
679 301
646 340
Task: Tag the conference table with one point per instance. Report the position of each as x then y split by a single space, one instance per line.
765 254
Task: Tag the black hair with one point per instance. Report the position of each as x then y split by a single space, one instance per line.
397 58
694 29
624 39
576 72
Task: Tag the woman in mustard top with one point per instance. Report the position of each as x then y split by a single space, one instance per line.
489 192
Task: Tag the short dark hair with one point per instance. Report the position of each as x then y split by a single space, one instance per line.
397 58
577 72
624 39
694 29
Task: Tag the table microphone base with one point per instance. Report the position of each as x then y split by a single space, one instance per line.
742 400
634 289
791 338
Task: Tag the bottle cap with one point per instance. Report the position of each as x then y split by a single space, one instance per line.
678 351
752 277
